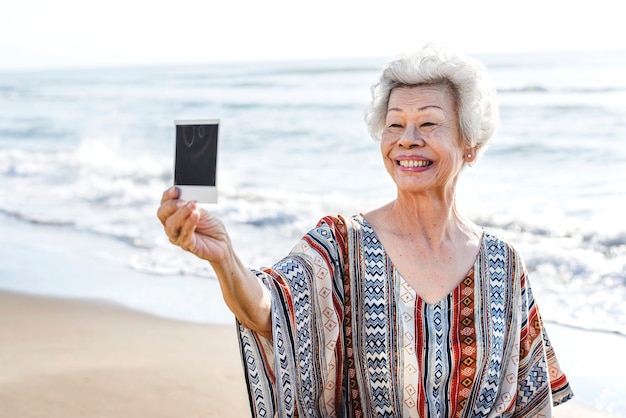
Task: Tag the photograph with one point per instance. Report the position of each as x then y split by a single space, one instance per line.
195 160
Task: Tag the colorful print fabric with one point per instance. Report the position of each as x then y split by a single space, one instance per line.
352 339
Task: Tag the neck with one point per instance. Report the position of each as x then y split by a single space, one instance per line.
430 220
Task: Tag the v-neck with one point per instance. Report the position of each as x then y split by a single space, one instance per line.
395 271
450 296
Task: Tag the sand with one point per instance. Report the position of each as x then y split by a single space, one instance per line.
76 358
68 358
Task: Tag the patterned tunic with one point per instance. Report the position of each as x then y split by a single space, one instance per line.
351 338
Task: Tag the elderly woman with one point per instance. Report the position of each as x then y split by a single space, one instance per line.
407 310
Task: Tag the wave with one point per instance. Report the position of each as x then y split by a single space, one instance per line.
593 328
292 106
35 219
259 75
321 70
31 131
604 242
103 195
304 67
101 181
562 90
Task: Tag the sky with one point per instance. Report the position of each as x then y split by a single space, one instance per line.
42 34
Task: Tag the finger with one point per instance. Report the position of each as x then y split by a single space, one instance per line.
167 209
174 223
186 232
169 194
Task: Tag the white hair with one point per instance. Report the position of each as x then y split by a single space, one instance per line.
467 79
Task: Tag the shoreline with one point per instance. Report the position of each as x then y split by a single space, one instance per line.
74 357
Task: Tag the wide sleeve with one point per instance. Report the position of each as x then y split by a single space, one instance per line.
539 373
299 372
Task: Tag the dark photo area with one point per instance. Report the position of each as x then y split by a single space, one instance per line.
196 154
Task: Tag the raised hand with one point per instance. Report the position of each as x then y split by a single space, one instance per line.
197 231
192 228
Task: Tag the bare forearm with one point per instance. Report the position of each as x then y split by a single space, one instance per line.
195 230
245 295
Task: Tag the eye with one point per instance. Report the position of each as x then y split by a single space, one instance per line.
427 124
394 124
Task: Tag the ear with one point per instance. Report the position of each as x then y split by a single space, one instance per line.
469 155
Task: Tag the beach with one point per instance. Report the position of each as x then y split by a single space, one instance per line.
100 316
79 358
71 358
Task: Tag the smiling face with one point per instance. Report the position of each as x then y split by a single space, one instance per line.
421 144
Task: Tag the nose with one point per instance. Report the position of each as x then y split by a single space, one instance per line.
411 137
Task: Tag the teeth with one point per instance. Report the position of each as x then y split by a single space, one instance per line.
414 163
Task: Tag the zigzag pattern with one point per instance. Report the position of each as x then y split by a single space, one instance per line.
495 306
255 377
285 372
375 326
533 381
293 271
435 381
283 354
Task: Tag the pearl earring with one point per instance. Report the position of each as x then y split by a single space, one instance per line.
469 155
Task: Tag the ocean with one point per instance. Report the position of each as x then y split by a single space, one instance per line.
85 155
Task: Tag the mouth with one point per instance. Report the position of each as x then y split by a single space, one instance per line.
414 163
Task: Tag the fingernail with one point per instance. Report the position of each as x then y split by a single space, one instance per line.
191 204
